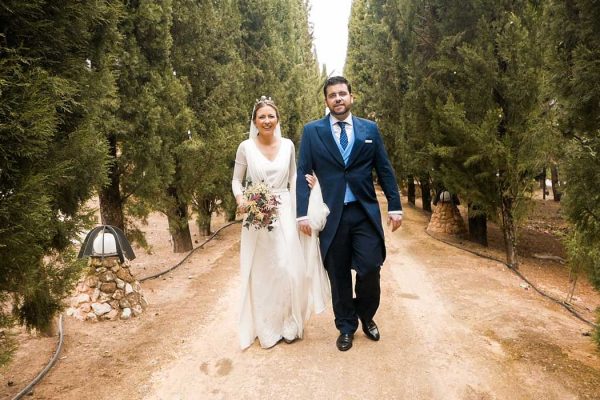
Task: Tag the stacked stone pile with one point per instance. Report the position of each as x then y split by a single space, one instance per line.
108 291
446 219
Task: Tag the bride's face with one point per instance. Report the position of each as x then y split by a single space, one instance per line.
266 120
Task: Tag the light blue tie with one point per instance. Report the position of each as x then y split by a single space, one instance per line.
343 135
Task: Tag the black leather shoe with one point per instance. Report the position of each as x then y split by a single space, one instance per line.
370 329
344 341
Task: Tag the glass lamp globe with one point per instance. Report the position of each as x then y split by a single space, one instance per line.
105 245
446 197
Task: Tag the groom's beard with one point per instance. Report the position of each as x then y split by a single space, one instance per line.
345 110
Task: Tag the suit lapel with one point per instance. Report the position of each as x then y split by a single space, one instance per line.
359 140
326 136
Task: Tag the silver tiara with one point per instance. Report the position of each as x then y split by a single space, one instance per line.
264 99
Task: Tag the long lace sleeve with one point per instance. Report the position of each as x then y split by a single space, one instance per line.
239 170
292 176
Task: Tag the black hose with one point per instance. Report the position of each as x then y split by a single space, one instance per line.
154 276
54 358
47 368
520 275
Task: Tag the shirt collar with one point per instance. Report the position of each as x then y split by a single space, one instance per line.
333 120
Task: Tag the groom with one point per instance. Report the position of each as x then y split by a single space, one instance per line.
342 150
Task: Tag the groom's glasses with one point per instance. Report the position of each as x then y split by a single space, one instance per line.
332 96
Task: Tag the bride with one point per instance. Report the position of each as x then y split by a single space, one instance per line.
282 276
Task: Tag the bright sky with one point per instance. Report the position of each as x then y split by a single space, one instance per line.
330 20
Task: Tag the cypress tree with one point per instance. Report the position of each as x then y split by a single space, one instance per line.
470 107
51 158
303 78
377 64
205 36
487 128
573 49
277 50
152 120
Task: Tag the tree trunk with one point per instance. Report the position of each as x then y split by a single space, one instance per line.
510 232
543 184
178 223
204 216
556 192
412 197
426 194
111 203
477 226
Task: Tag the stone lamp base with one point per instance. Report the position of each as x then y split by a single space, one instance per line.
108 291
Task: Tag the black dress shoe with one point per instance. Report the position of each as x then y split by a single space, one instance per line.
344 341
370 329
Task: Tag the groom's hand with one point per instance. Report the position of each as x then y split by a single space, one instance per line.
395 221
304 227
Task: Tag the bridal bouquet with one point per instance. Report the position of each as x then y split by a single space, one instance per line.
261 206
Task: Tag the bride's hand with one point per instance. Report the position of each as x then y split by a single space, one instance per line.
241 207
304 227
311 179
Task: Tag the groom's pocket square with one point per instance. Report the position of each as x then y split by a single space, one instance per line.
368 141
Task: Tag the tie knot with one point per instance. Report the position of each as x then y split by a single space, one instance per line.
342 124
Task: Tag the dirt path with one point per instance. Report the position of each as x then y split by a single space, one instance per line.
454 326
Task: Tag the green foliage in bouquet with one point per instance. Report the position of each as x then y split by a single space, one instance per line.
261 206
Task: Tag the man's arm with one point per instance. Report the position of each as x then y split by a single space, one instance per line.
387 180
305 166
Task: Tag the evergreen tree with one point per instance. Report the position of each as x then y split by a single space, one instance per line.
204 54
277 50
426 25
254 48
226 52
51 158
301 96
487 132
152 120
378 67
467 85
573 44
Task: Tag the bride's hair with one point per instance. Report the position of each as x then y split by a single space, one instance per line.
263 102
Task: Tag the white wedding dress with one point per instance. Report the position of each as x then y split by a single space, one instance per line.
282 276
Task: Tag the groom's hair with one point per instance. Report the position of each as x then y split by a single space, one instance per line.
335 80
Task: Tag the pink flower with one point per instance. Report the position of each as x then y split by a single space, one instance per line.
261 207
